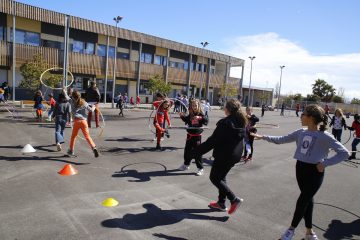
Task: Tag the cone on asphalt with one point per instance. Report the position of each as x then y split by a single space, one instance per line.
110 202
68 170
28 149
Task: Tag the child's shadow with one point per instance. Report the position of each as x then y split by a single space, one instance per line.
339 230
155 216
146 176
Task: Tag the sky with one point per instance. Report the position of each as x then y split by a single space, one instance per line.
311 38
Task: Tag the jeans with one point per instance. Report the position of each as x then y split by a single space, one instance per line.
337 134
355 142
59 130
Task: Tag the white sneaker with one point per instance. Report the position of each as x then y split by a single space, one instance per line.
58 146
311 237
200 172
184 167
288 234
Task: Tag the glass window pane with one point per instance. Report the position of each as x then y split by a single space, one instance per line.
157 60
164 61
2 33
186 65
111 52
148 58
20 37
78 47
32 38
101 50
89 48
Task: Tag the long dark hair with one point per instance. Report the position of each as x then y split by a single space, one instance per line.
318 114
234 108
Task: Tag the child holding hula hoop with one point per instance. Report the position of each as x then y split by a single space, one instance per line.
311 153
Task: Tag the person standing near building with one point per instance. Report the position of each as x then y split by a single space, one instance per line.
338 122
297 110
6 89
93 98
52 104
355 126
126 100
38 105
263 110
227 142
138 100
312 147
282 109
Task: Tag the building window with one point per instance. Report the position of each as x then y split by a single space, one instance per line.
111 52
212 70
28 38
160 60
144 88
101 50
123 55
83 47
186 65
53 44
201 67
146 57
2 33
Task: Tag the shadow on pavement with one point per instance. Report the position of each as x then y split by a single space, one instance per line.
120 151
163 236
340 230
155 216
36 158
146 176
126 139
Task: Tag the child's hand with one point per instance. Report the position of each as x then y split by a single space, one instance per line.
320 167
256 136
169 126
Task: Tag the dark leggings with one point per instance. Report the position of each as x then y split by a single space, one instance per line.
191 143
309 180
337 134
218 174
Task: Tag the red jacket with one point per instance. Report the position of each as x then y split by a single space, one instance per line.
161 114
356 126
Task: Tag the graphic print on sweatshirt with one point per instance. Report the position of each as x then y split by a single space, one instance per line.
307 144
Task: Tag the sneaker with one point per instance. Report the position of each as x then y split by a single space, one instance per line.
58 147
200 172
162 139
167 134
311 237
158 147
248 159
184 167
96 152
71 153
235 205
352 156
218 206
288 234
243 158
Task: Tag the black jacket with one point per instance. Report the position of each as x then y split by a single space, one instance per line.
343 122
202 121
92 95
226 140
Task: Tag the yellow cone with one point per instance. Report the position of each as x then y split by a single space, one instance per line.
110 202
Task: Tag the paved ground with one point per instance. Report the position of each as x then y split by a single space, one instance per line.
156 200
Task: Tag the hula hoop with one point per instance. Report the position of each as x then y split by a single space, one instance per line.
348 138
150 123
56 68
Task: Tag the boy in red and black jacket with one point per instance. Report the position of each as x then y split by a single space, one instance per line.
355 127
162 114
195 120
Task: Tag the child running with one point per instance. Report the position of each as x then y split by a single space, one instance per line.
338 122
355 127
249 140
227 142
195 120
61 114
162 108
80 109
313 145
38 98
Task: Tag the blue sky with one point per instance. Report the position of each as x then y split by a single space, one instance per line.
318 33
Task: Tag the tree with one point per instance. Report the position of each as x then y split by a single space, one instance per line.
312 98
324 90
297 97
31 72
228 89
338 99
157 84
355 101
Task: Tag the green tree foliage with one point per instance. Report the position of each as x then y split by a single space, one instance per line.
324 90
313 98
338 99
355 101
31 72
228 90
157 84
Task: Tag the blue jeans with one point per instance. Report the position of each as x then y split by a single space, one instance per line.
355 142
60 125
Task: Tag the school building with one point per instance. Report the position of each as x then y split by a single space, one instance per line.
88 50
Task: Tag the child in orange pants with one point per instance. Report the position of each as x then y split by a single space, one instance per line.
160 117
80 110
38 98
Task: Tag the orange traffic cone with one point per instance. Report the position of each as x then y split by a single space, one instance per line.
68 170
